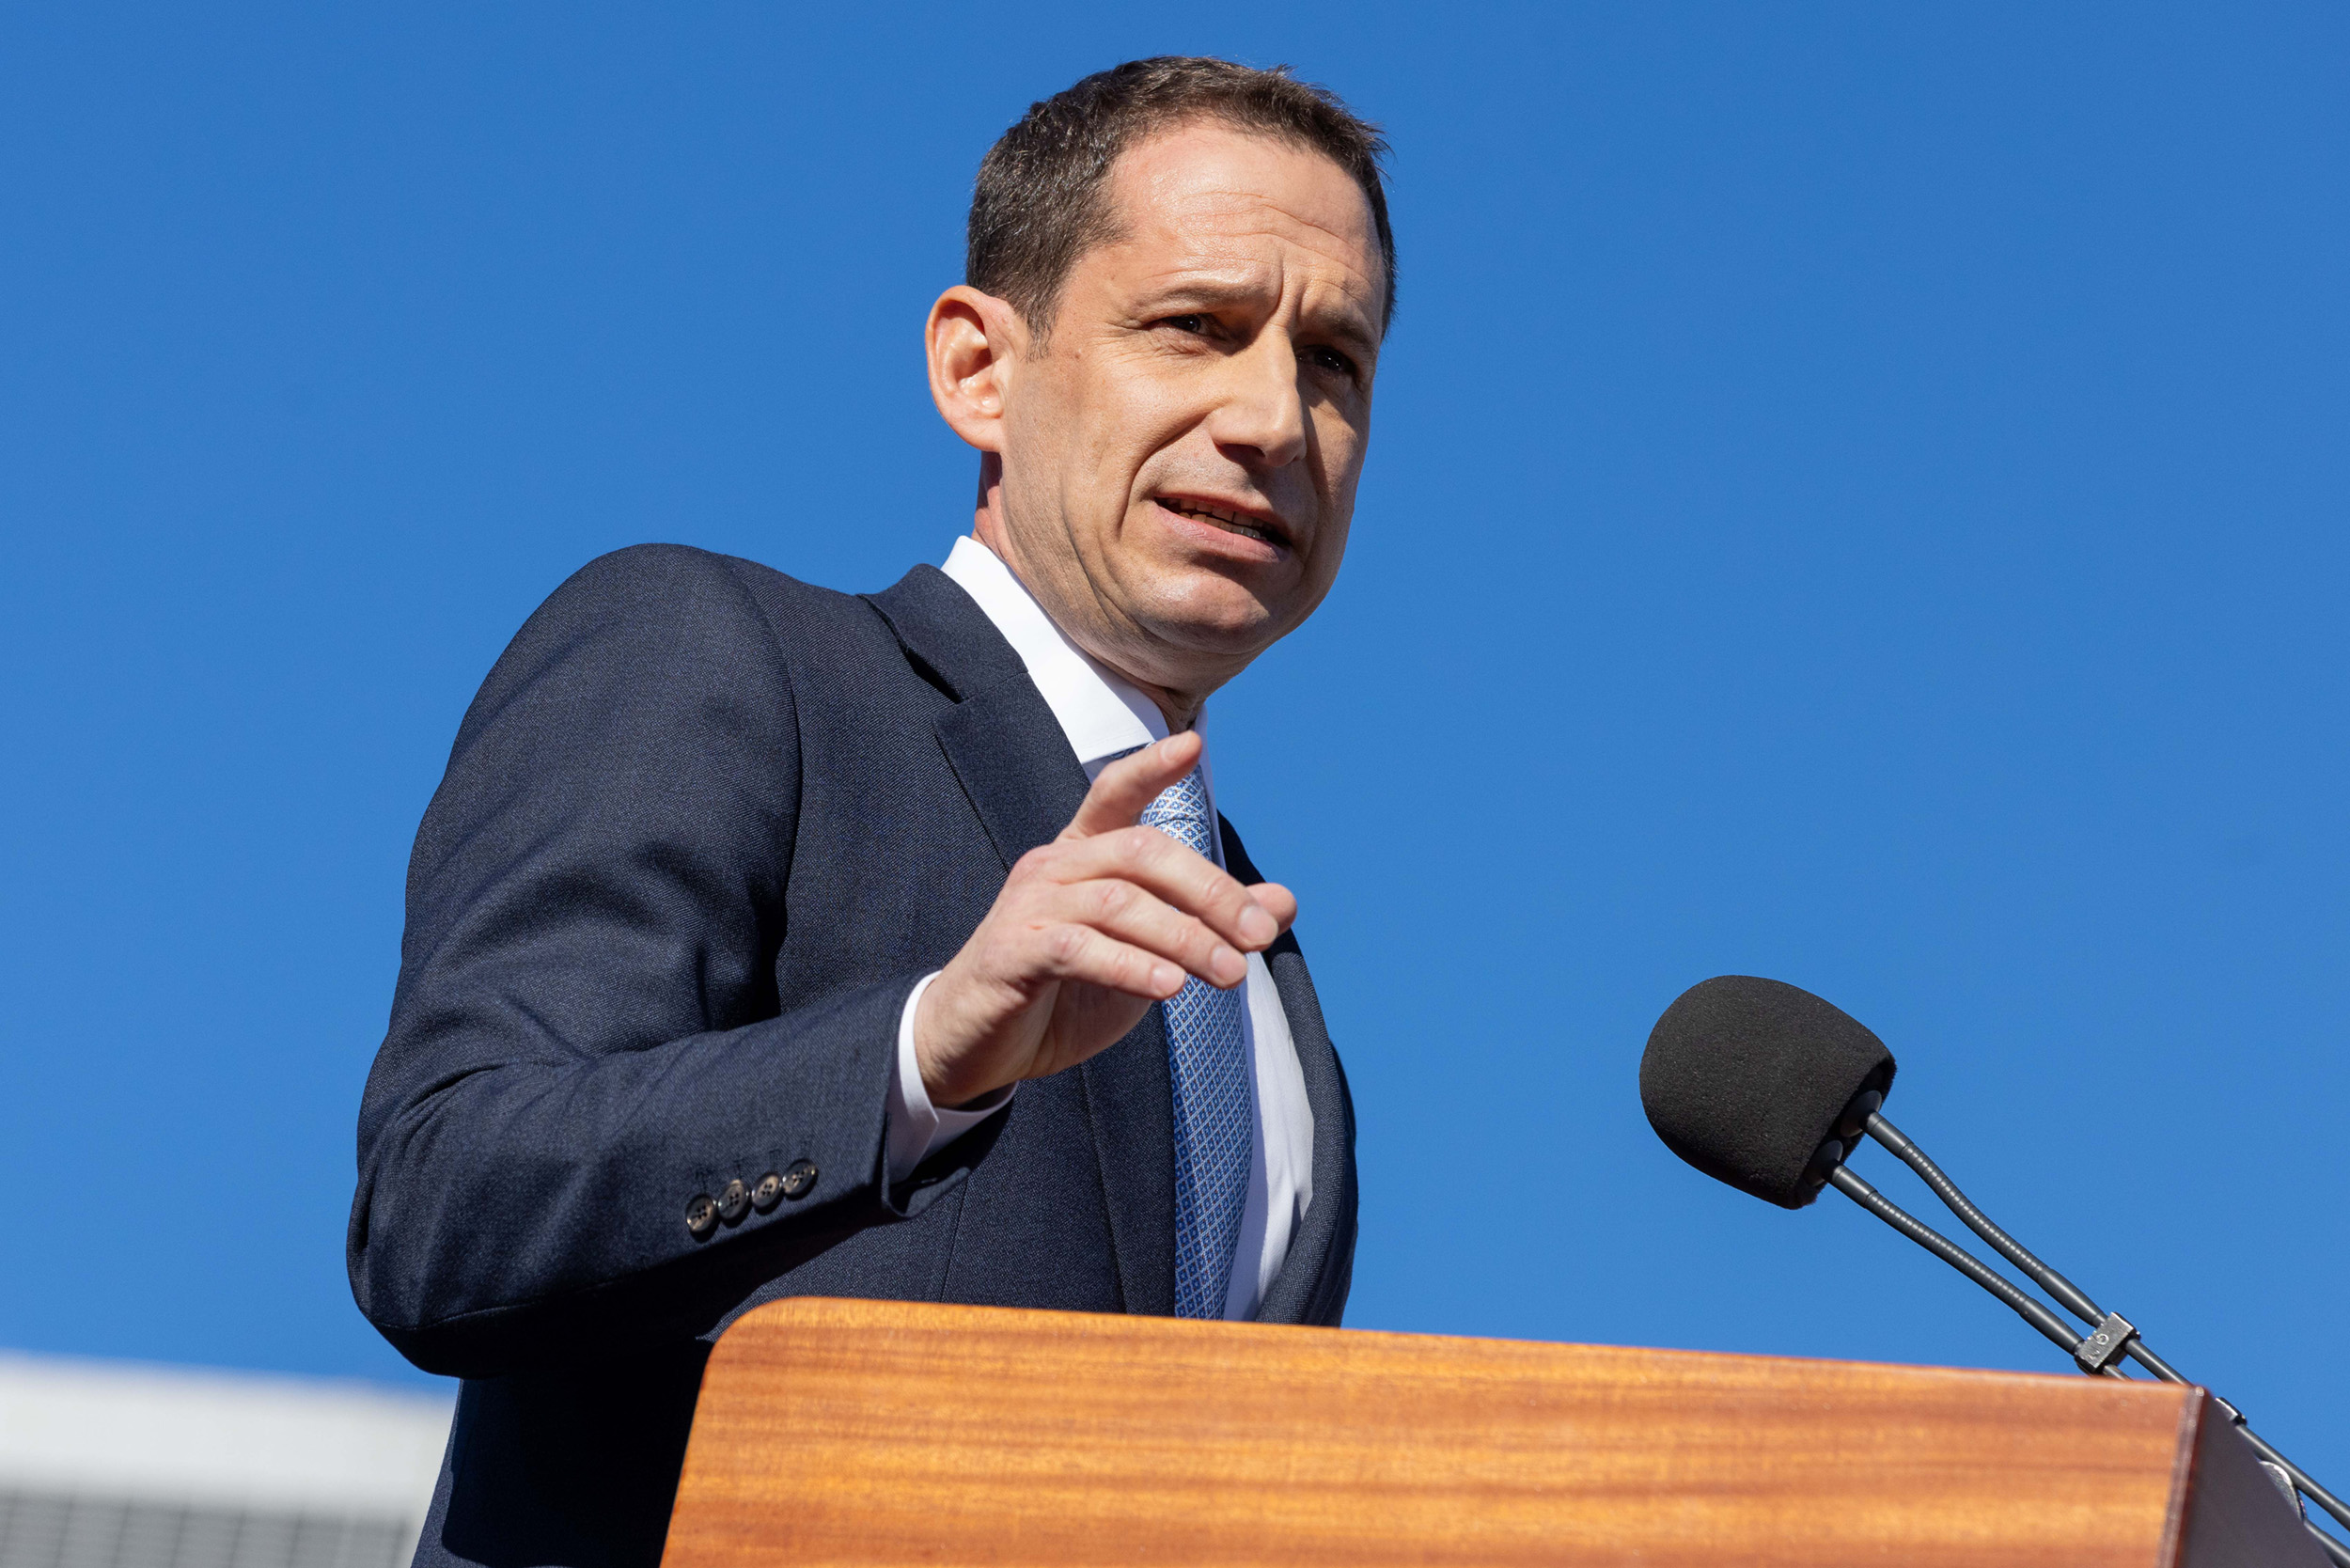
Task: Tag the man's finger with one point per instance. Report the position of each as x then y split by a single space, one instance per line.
1277 902
1076 953
1189 881
1122 910
1130 783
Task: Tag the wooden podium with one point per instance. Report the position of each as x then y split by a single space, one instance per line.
871 1432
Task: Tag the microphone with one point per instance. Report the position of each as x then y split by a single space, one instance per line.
1770 1088
1749 1080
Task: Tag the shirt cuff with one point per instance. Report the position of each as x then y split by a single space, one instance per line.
919 1129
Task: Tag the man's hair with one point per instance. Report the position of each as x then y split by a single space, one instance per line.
1042 201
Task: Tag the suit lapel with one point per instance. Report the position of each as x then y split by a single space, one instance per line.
1024 782
1311 1284
1015 764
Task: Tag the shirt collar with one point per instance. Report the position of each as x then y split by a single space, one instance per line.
1102 715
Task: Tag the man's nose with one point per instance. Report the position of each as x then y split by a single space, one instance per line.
1262 419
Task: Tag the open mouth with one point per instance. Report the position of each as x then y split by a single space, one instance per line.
1230 522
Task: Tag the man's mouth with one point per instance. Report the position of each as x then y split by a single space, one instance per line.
1243 523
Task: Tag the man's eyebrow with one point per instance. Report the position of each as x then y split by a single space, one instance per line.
1347 325
1198 290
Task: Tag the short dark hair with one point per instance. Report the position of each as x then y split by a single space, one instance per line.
1040 202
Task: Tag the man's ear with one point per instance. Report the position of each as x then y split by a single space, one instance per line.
975 343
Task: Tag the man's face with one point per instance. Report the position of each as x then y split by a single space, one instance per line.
1180 455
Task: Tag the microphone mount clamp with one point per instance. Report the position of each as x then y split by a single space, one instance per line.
2108 1345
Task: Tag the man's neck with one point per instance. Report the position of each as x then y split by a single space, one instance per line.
1180 709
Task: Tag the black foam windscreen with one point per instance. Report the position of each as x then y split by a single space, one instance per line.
1746 1077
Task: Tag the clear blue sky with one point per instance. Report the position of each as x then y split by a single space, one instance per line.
1858 496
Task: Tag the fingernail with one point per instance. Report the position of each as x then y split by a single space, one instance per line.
1229 966
1258 926
1167 978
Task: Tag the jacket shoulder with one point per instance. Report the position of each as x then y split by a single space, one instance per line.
683 582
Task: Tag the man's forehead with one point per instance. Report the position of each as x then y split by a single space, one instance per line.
1211 200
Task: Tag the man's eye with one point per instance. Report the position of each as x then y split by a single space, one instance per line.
1196 326
1330 360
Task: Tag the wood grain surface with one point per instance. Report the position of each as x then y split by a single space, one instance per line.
871 1432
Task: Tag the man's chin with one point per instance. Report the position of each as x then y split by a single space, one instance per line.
1218 619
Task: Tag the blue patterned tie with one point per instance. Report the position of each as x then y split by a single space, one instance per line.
1204 1054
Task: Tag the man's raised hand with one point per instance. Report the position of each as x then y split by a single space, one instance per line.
1087 931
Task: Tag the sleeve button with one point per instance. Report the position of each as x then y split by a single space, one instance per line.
768 1193
735 1201
702 1216
799 1179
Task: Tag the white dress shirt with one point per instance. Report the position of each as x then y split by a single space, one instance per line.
1103 716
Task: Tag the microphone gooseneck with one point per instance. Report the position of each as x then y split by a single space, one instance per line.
1771 1090
2067 1294
2098 1351
1846 1180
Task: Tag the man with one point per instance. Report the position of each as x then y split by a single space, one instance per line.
767 941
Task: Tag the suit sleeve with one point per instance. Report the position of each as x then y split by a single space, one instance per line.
585 1037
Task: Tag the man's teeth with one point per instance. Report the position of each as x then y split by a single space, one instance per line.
1237 525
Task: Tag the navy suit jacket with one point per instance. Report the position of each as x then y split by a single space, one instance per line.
701 832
